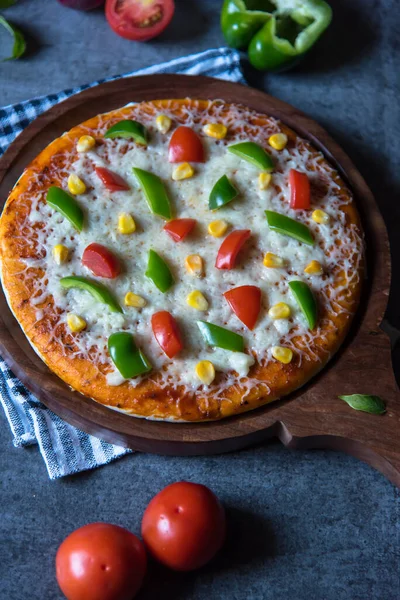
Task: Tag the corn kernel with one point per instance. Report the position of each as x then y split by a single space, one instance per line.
60 254
76 323
273 261
126 223
279 311
215 130
134 300
163 123
197 300
205 371
278 141
183 171
284 355
217 228
76 185
264 179
195 265
85 143
314 268
320 216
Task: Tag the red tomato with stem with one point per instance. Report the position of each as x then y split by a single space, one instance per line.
101 261
112 181
245 301
230 248
166 332
184 526
178 229
101 561
299 190
185 146
139 20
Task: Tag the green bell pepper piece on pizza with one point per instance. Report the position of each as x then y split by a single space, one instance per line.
222 193
98 290
306 300
66 205
287 226
128 129
129 360
254 154
214 335
155 193
276 33
158 271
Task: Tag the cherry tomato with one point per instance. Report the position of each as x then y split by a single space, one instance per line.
100 561
139 20
178 229
166 332
230 247
110 180
185 146
299 190
245 301
101 261
184 526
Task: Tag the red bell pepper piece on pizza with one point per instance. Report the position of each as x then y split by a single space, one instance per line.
112 181
230 248
166 332
178 229
245 301
299 190
101 261
185 146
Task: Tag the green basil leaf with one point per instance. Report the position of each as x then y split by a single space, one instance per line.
19 45
7 3
370 404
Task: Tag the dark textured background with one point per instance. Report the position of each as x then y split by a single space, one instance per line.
303 525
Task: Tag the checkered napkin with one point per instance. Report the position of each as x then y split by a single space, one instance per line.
65 449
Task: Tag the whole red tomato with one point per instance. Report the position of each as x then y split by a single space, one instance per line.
102 562
184 526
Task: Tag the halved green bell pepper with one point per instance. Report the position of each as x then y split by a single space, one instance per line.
129 360
254 154
306 300
155 192
222 193
158 271
276 32
287 226
66 205
214 335
98 290
128 129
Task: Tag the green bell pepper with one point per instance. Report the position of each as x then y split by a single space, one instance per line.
222 193
291 227
129 360
214 335
306 300
158 271
98 290
66 205
155 192
128 129
254 154
276 32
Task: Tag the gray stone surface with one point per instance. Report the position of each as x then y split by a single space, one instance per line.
311 525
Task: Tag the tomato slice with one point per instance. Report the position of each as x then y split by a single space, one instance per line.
230 247
178 229
185 146
299 190
245 301
101 261
139 20
111 181
166 332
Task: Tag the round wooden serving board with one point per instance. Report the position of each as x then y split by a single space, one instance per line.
312 417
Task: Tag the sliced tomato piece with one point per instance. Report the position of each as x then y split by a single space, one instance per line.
230 247
178 229
245 301
299 190
139 20
185 146
101 261
111 181
166 332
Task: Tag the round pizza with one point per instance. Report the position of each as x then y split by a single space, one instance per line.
182 260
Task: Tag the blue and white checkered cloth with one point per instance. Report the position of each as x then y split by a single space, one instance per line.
65 449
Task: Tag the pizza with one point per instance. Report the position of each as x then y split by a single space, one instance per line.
182 260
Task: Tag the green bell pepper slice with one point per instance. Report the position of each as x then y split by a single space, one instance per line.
239 25
155 193
129 360
66 205
158 271
254 154
222 193
306 301
128 129
287 226
98 290
214 335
